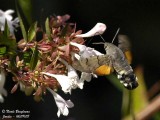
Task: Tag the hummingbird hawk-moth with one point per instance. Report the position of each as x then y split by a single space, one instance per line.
114 59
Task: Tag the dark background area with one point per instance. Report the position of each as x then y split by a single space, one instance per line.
99 100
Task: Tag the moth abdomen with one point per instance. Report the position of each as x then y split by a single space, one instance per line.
129 81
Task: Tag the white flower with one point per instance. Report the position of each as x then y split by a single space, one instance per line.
2 82
63 80
72 74
98 29
87 76
85 52
61 104
69 81
6 16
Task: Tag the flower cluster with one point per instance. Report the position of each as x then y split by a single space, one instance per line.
42 61
6 17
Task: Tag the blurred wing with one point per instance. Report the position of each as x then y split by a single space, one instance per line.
100 65
125 46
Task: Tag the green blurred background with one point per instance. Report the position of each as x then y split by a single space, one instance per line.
100 99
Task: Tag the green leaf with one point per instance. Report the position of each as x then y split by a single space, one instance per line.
34 59
27 57
26 8
48 31
32 31
157 116
3 50
21 24
138 99
6 29
126 102
24 33
9 43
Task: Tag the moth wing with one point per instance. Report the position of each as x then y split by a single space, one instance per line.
104 70
89 64
105 67
100 65
77 65
125 46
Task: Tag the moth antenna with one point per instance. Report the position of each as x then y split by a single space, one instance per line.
95 35
90 39
98 43
115 35
102 38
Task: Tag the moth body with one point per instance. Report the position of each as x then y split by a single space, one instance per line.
113 59
121 66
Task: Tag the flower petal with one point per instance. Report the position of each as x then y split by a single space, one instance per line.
7 14
9 11
1 99
61 104
75 55
2 82
98 29
86 76
15 22
11 24
59 113
73 76
4 92
81 47
86 52
1 13
2 79
69 104
63 80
